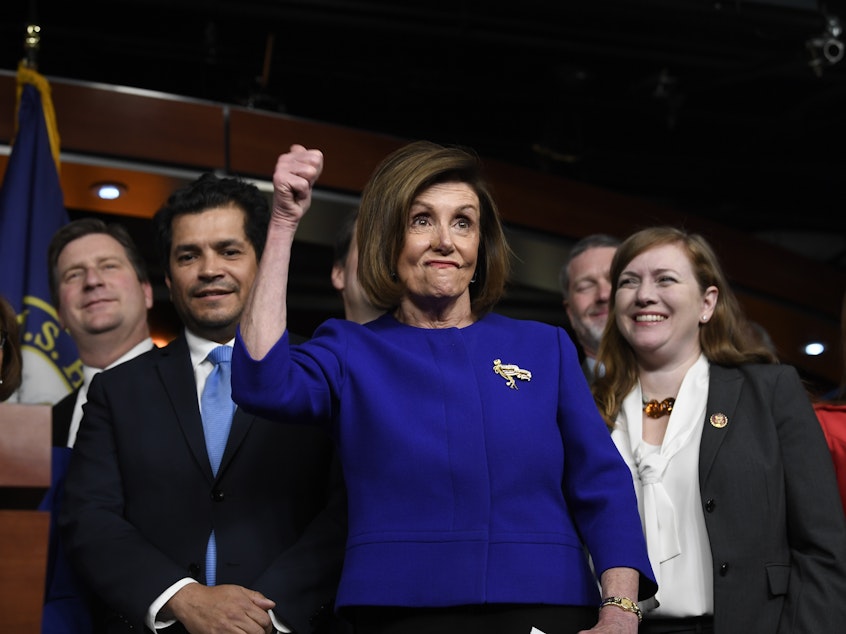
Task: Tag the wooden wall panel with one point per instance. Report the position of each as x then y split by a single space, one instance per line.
127 123
23 569
24 467
139 125
7 105
350 156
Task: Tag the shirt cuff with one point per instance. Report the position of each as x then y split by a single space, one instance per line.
277 623
153 611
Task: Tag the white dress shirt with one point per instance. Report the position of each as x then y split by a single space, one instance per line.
199 349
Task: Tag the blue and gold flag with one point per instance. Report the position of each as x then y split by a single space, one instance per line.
31 209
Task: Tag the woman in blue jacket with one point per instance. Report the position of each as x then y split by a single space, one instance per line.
478 469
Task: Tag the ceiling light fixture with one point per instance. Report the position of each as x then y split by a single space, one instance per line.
814 348
109 190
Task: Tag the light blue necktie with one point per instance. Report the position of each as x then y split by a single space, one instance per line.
217 408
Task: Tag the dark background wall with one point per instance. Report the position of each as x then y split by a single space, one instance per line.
724 117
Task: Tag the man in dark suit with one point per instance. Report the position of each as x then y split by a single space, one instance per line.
143 500
101 290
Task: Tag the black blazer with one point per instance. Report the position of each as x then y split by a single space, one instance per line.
140 498
774 519
62 415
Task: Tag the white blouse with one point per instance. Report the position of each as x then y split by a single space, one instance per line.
666 481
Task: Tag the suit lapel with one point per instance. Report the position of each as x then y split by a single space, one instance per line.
177 377
62 415
723 394
241 423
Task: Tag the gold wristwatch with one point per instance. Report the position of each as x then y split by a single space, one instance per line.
623 603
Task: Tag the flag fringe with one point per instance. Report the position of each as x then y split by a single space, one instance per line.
27 75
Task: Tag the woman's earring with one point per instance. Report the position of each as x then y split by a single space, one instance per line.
475 276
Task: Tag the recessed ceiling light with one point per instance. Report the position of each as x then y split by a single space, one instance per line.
109 191
814 348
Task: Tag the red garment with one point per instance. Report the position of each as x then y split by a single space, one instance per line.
833 420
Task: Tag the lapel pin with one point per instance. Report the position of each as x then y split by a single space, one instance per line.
509 371
719 420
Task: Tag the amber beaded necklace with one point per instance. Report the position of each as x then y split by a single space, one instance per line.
655 409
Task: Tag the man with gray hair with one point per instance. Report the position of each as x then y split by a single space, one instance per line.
585 280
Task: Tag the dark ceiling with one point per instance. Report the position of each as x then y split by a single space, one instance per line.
734 110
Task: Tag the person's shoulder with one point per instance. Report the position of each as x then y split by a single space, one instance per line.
766 375
145 359
384 322
755 370
832 418
768 370
834 409
498 320
502 325
346 327
333 325
335 334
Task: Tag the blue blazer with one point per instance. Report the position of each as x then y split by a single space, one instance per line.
477 465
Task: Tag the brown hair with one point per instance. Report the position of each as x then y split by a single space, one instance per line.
725 338
383 217
11 370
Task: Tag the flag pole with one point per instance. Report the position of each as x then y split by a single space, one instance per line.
28 74
31 211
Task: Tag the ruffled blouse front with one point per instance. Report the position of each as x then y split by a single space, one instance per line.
666 480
